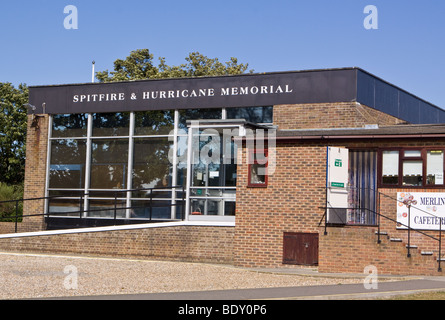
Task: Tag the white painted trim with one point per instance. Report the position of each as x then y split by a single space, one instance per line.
118 228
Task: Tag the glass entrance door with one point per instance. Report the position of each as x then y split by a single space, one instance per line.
212 179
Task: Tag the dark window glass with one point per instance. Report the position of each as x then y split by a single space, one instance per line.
107 208
109 160
67 168
69 125
155 209
152 166
196 114
252 114
257 168
60 206
111 124
154 122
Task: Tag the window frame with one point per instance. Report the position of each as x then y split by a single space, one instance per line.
251 161
402 158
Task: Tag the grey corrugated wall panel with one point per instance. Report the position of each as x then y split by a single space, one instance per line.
381 95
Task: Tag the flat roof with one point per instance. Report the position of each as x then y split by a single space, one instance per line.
396 131
350 84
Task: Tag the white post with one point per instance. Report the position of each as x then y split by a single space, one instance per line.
93 75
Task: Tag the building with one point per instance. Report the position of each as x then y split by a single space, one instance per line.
261 170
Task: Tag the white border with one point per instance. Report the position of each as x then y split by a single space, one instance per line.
118 228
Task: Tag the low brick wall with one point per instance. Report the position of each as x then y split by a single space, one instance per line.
212 244
351 249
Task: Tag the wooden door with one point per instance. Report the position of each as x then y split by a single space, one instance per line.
300 248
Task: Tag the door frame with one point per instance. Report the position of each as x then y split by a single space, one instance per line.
198 125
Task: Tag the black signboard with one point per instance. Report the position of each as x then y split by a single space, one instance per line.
317 86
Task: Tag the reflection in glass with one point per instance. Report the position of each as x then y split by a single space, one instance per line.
156 122
65 203
196 114
109 161
107 208
69 125
257 176
152 167
252 114
111 124
159 210
67 168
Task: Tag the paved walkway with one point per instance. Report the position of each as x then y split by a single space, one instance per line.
388 286
327 292
37 276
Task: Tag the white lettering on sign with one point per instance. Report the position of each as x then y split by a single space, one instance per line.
184 93
99 97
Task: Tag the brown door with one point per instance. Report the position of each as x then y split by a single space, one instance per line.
300 248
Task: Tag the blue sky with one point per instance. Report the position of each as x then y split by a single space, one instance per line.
407 49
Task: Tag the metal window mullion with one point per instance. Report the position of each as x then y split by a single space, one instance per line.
48 163
189 170
88 163
130 164
175 164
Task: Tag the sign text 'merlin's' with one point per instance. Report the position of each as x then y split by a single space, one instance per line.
184 93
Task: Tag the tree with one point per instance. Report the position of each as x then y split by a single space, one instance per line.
139 65
13 122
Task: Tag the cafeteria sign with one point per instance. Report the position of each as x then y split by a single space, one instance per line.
427 209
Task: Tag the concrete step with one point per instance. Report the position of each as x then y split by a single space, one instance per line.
395 240
426 253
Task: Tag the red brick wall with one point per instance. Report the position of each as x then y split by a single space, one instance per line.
186 243
330 115
351 249
288 204
291 202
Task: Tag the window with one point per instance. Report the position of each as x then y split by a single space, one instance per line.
67 167
252 114
109 160
416 167
434 167
69 125
151 165
390 167
257 168
156 122
111 124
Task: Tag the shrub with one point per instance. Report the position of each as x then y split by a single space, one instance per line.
8 207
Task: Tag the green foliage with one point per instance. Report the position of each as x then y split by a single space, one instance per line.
12 132
7 207
139 65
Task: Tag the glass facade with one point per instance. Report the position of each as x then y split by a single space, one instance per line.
94 159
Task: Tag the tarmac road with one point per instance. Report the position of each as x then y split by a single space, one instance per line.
324 292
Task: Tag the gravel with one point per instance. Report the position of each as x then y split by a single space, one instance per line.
24 276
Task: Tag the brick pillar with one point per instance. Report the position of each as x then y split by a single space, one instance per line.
35 172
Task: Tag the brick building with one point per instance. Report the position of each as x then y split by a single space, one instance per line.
260 170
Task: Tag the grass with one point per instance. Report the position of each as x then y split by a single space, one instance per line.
439 295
